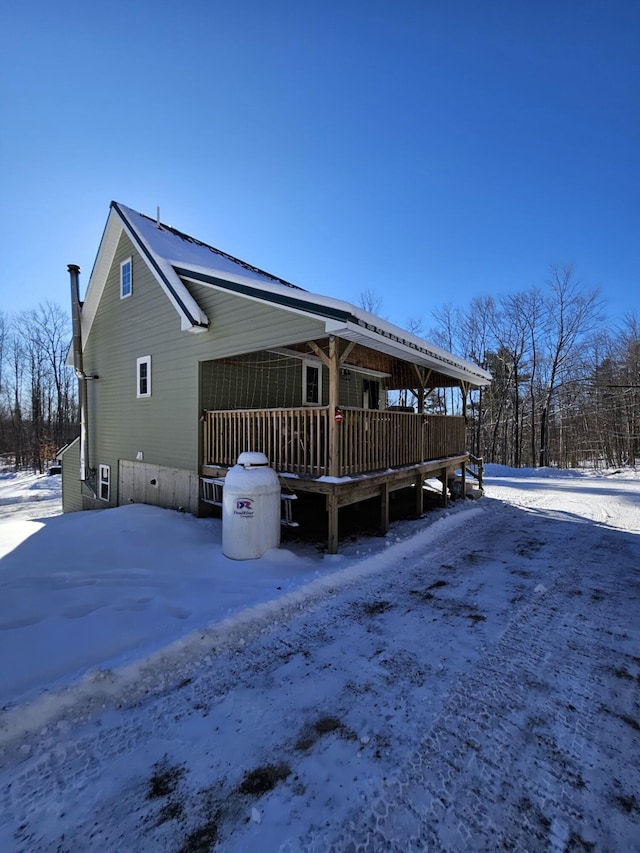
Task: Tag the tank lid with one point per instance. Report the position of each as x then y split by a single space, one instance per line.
251 458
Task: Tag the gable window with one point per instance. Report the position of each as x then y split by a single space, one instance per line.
311 384
143 368
125 278
104 482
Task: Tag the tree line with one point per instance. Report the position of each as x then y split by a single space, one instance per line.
38 392
566 383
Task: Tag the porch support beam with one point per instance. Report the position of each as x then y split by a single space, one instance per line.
345 355
419 494
332 519
384 508
321 354
464 387
423 378
325 358
445 499
333 405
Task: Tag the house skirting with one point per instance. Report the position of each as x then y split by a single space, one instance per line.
158 485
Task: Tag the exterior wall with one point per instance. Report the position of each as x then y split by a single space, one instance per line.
351 390
264 380
164 427
71 485
261 380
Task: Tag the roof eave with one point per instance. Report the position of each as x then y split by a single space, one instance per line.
347 324
376 339
192 316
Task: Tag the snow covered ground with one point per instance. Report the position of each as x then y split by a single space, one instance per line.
470 682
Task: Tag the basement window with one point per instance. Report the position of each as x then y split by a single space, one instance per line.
143 368
104 482
125 278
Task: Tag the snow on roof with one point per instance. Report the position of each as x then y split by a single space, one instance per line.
180 249
174 251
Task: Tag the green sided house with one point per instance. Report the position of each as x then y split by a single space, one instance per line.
187 357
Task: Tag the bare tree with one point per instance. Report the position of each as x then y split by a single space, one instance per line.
511 333
38 409
371 301
446 334
571 314
477 323
4 337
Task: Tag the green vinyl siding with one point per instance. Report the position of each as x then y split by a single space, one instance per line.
241 325
165 426
350 389
261 380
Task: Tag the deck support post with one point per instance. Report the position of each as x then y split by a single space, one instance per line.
464 387
334 437
384 509
445 499
419 494
332 518
463 479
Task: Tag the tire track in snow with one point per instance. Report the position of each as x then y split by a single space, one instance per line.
524 754
466 757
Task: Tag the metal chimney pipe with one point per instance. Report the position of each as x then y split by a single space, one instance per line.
78 366
74 271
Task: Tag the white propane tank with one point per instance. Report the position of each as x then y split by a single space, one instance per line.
250 508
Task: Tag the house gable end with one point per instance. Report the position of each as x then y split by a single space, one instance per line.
191 316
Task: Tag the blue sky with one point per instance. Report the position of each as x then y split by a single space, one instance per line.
429 152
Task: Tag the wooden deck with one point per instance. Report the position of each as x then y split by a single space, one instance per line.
307 442
363 454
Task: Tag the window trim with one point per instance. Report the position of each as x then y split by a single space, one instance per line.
104 481
143 360
316 365
129 262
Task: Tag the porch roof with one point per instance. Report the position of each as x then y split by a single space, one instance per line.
346 321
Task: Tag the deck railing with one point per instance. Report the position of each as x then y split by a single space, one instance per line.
296 441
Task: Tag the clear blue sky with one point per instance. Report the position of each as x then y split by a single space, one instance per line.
430 152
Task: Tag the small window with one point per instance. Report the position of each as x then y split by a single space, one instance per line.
144 376
104 484
125 278
370 394
311 384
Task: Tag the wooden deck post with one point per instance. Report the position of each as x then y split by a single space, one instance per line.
419 494
332 518
384 509
445 499
334 437
464 387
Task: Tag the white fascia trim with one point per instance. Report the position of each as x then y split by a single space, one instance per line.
364 371
99 273
382 336
312 315
176 282
292 353
102 266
